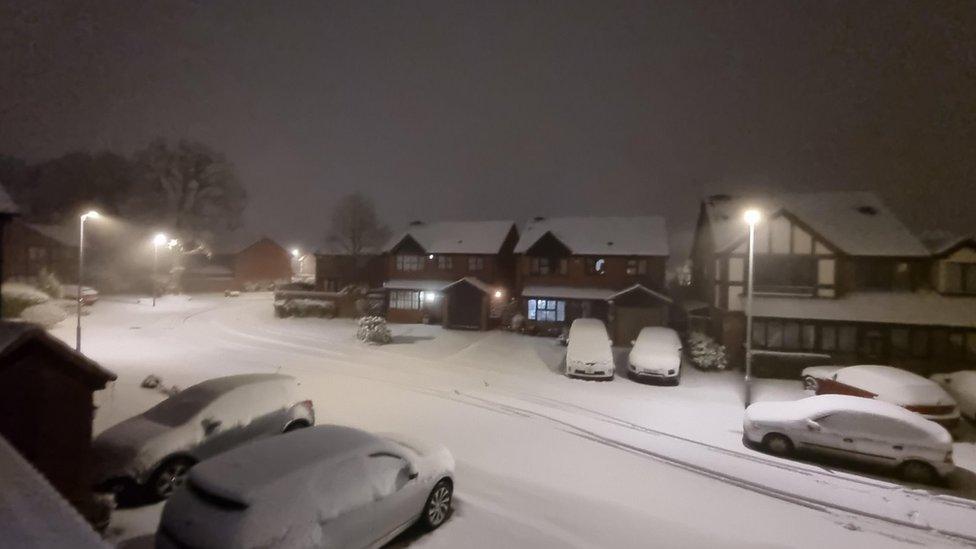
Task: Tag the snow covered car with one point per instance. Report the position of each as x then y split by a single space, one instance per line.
896 386
325 487
812 375
656 355
155 449
962 386
88 295
853 428
588 353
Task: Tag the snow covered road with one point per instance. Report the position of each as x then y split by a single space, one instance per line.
542 460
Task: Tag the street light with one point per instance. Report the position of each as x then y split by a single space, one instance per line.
751 216
297 254
91 214
158 241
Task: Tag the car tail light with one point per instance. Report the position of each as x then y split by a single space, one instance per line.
307 404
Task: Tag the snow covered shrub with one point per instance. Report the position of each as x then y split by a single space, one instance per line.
44 314
48 283
706 353
373 329
17 297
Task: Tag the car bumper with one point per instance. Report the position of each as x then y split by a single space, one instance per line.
654 375
593 374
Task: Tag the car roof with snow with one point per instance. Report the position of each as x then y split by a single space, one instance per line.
242 473
182 406
657 337
894 384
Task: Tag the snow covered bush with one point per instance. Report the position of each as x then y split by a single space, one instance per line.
706 353
44 314
17 297
373 329
48 283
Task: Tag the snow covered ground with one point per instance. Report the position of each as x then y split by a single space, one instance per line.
542 460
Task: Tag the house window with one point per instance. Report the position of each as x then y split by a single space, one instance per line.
410 300
960 278
808 337
758 333
920 343
785 272
874 274
774 335
956 349
547 310
636 267
847 340
476 263
547 265
596 266
445 262
899 341
828 338
791 335
409 263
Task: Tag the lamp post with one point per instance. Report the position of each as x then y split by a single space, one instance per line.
158 241
297 254
92 214
751 217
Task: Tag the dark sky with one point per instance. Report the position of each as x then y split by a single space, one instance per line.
509 110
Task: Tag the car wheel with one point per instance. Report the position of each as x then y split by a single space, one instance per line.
438 505
295 425
918 472
810 383
169 476
778 444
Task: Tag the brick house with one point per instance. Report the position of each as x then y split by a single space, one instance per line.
335 270
29 248
454 273
611 268
836 274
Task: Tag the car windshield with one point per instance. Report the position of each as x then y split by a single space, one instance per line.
181 407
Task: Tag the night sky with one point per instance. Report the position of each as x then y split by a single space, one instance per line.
456 110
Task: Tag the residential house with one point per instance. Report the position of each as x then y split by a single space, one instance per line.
611 268
47 407
335 269
238 262
30 248
836 273
456 273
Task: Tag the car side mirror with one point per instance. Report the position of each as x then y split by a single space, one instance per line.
210 425
813 425
633 342
412 471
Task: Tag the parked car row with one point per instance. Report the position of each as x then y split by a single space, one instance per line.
654 356
212 450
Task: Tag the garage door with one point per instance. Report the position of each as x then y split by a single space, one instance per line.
628 322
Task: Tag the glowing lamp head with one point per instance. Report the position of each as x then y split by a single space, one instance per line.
159 239
431 256
91 214
295 252
752 216
498 294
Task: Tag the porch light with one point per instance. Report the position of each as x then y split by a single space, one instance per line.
431 256
295 252
498 294
430 296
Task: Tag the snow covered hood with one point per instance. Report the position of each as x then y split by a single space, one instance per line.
857 222
895 385
588 341
643 235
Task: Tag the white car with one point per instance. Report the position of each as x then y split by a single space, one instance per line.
588 353
812 375
155 449
324 487
656 355
962 386
853 428
88 294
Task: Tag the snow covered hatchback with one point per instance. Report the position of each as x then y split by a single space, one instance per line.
853 428
156 448
656 355
325 487
588 353
896 386
962 386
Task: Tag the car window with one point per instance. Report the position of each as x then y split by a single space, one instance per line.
843 422
387 473
180 408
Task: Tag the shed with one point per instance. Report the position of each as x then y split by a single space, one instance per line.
467 304
46 407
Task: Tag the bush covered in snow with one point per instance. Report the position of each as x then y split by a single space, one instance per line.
706 353
373 329
44 314
18 296
48 283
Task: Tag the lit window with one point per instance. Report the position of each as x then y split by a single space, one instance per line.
636 266
409 263
547 310
410 300
596 266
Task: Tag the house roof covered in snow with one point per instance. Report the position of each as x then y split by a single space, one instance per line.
456 237
910 308
33 513
14 335
66 235
476 282
856 222
944 242
7 205
643 235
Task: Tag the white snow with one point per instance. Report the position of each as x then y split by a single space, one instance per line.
456 237
910 308
641 235
45 314
895 385
656 349
962 386
542 461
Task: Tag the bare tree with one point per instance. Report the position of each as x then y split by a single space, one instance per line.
355 228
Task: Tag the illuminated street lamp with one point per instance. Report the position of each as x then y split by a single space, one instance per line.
158 241
297 254
91 214
751 216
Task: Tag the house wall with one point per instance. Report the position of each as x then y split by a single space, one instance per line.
431 267
26 252
615 276
263 261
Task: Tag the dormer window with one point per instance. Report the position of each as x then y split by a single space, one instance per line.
636 267
445 262
960 278
547 265
409 262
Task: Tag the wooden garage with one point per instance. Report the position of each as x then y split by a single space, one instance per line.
634 308
466 304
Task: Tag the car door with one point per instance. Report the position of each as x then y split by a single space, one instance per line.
346 506
399 498
878 438
831 435
226 423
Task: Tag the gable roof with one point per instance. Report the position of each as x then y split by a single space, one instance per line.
944 242
856 222
14 335
456 237
641 235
